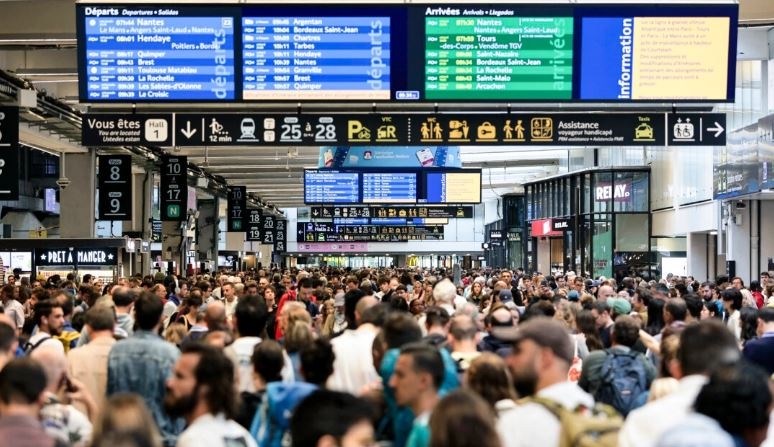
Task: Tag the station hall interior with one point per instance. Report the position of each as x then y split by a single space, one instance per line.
604 210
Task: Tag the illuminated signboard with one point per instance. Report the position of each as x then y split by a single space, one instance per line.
453 187
155 53
407 52
302 58
331 187
389 187
651 58
475 58
461 186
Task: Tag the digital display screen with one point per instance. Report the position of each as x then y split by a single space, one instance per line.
331 187
650 58
156 54
399 187
317 58
461 186
407 52
453 187
494 58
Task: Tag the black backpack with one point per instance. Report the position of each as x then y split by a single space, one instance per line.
624 378
29 347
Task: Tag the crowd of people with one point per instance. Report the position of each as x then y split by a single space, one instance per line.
400 357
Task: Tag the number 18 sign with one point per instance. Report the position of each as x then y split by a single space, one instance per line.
114 181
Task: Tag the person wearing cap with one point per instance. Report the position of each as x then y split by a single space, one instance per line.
501 317
539 361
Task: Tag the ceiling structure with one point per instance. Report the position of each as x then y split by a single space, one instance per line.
38 44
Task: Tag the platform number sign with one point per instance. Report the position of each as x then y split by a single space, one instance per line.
253 232
267 230
280 236
237 208
9 153
174 188
114 182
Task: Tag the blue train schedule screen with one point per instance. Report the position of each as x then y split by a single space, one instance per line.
331 187
390 187
153 54
316 58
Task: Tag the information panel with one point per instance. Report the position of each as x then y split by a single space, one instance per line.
9 153
174 188
156 53
683 58
236 208
389 187
331 187
253 232
114 182
498 57
268 229
301 52
280 236
319 58
453 187
424 212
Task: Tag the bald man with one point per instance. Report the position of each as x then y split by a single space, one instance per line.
353 367
61 420
215 316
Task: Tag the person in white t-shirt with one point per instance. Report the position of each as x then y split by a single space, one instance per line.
353 367
49 317
201 390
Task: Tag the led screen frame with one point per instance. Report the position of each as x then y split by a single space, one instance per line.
408 42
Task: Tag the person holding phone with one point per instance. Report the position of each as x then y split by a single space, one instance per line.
60 418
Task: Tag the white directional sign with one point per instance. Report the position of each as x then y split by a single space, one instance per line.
696 129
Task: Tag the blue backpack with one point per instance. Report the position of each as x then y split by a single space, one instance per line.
271 422
624 378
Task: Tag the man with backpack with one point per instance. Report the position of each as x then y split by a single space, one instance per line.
556 411
49 317
617 376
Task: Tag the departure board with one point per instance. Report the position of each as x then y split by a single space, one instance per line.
157 54
498 57
316 58
331 187
340 53
392 187
453 187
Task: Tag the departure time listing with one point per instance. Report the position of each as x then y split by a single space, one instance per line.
151 55
498 57
316 58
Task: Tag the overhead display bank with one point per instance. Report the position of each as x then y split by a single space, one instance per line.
334 187
406 52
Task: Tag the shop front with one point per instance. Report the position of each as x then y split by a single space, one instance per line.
594 222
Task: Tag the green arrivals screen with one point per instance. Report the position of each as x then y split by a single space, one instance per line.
498 58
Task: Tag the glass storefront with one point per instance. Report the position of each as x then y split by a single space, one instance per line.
594 222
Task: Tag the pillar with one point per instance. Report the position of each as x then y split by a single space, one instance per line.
139 226
77 201
207 229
